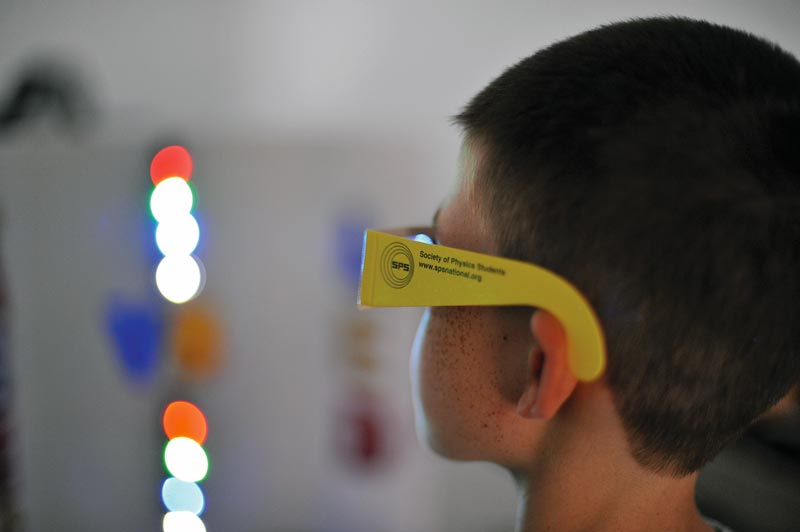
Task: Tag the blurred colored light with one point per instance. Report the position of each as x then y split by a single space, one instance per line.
179 278
182 418
172 161
171 197
186 459
137 331
423 238
178 235
183 522
197 340
348 247
180 496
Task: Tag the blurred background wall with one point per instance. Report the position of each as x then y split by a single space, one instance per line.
304 118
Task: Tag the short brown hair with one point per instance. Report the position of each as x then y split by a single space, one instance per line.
655 164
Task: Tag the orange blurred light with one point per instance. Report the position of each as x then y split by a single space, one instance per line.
172 161
182 418
197 340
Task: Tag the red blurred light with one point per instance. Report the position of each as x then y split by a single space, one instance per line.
182 418
172 161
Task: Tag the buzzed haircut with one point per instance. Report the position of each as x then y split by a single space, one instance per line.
655 164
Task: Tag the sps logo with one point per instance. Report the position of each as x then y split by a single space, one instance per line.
397 265
400 266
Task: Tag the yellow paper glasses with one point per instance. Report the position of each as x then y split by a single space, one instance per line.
399 272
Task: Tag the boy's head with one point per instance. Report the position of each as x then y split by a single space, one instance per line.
655 165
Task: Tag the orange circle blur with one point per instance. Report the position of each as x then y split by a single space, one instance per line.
172 161
182 418
197 341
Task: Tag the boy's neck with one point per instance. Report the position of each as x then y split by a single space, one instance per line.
583 477
600 499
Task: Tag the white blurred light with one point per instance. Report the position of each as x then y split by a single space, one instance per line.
186 459
183 522
178 235
171 197
179 278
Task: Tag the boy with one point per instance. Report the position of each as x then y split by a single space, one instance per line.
653 164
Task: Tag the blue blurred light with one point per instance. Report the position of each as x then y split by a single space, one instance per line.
423 238
182 496
136 329
348 246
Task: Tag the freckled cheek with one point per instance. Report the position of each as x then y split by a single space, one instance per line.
426 363
446 368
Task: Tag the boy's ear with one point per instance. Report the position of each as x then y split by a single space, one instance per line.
549 382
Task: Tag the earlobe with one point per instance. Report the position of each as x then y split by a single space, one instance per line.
550 381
